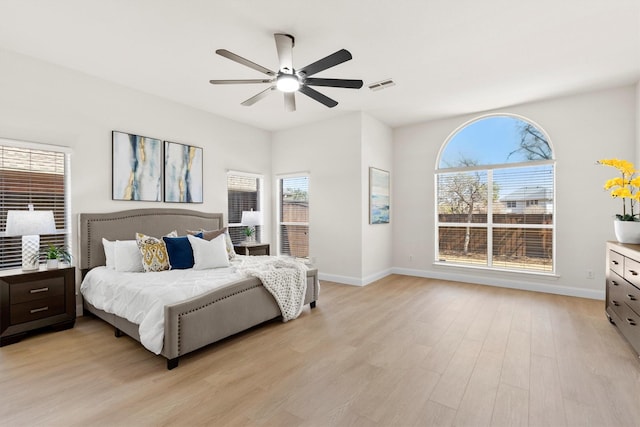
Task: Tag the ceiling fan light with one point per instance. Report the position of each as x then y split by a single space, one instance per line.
287 83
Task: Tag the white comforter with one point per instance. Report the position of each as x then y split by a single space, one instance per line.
140 297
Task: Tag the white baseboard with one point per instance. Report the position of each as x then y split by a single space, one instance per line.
503 283
516 283
345 280
355 281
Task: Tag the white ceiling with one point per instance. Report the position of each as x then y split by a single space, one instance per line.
447 57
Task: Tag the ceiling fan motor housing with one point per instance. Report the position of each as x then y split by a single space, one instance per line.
289 81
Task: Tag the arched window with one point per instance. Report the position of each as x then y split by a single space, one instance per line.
495 188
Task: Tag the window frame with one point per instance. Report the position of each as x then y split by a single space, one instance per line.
66 230
260 204
489 225
278 216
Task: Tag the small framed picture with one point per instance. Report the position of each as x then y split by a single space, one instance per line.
378 196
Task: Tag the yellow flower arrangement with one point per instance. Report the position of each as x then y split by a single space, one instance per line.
626 186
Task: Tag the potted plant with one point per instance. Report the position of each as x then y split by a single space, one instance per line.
249 232
54 254
627 187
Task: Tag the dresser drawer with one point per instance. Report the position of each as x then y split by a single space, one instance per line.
630 326
37 309
616 262
632 271
616 287
630 296
36 290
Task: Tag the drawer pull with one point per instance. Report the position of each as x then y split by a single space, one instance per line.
631 321
614 262
615 303
37 310
631 297
614 283
35 291
633 272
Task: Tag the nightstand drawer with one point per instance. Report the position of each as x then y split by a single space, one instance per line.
252 249
38 309
36 290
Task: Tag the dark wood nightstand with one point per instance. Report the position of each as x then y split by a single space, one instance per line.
245 248
31 300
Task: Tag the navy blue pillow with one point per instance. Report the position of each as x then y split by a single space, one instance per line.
180 251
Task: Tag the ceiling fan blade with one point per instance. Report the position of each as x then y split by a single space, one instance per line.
258 97
332 60
289 101
349 84
233 82
284 45
312 93
240 60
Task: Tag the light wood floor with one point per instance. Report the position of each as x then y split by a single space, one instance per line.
401 351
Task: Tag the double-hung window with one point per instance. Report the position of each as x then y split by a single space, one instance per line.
35 175
293 215
495 196
244 192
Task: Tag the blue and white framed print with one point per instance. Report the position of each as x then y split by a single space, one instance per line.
137 167
182 173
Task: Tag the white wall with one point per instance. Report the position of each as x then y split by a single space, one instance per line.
377 151
583 129
330 152
637 125
338 153
44 103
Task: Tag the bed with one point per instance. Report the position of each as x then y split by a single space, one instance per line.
195 322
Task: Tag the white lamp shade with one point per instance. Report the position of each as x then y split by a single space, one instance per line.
251 218
30 223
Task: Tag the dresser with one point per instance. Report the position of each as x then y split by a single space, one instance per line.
34 300
623 290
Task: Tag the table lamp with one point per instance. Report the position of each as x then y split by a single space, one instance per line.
250 219
30 224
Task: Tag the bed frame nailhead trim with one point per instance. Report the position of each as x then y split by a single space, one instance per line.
203 306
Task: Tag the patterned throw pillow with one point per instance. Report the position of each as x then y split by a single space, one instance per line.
154 252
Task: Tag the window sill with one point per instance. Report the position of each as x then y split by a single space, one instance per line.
493 270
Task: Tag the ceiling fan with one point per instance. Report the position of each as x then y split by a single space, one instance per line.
289 80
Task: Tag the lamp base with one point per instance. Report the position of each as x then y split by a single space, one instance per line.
30 252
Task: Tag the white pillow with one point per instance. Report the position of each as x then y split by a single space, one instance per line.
209 253
127 256
109 253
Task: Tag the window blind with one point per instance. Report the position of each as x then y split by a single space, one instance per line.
37 177
243 195
500 218
293 228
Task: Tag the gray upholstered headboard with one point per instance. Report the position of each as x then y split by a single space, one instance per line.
124 224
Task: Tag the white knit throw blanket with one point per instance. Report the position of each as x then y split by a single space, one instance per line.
287 282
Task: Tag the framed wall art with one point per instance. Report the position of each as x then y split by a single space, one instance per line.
378 196
137 167
182 173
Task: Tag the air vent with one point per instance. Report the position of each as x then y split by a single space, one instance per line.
382 84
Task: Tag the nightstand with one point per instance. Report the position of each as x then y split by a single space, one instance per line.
245 248
31 300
